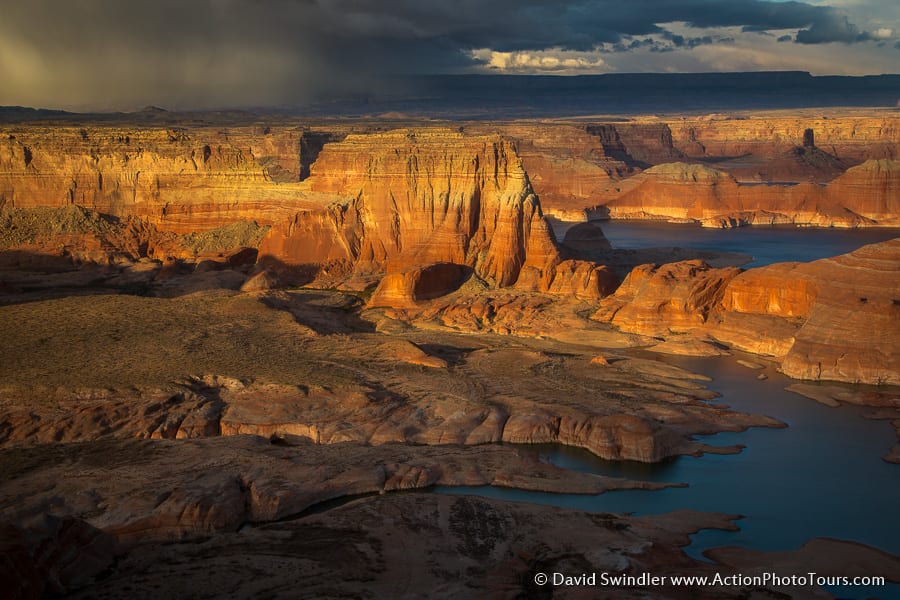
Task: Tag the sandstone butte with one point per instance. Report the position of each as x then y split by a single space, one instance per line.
836 318
865 195
421 198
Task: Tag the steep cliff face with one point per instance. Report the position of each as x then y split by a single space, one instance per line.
871 189
419 198
567 165
179 180
853 327
866 195
637 143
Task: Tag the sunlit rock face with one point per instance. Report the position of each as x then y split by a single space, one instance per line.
836 318
871 189
419 198
843 313
568 165
656 300
866 195
405 289
179 180
853 139
853 326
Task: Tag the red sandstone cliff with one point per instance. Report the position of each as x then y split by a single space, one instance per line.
419 198
568 165
180 180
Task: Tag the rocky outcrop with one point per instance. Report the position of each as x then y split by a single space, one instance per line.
204 487
834 319
568 166
406 289
417 198
303 364
637 143
802 163
586 238
46 238
866 195
383 544
852 330
46 555
871 190
657 300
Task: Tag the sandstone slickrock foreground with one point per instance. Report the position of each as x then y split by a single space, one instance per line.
415 545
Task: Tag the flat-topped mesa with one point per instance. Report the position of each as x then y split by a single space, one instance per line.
179 180
832 319
853 139
419 198
865 195
678 192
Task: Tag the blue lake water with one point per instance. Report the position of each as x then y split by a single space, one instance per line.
822 476
766 244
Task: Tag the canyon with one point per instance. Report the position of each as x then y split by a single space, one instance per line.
268 319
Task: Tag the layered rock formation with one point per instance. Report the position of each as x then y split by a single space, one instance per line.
851 138
419 198
866 195
178 179
801 163
640 144
835 318
45 237
568 166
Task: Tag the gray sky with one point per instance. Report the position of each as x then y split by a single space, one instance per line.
124 54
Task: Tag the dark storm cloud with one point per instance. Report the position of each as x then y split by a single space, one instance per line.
239 52
835 30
